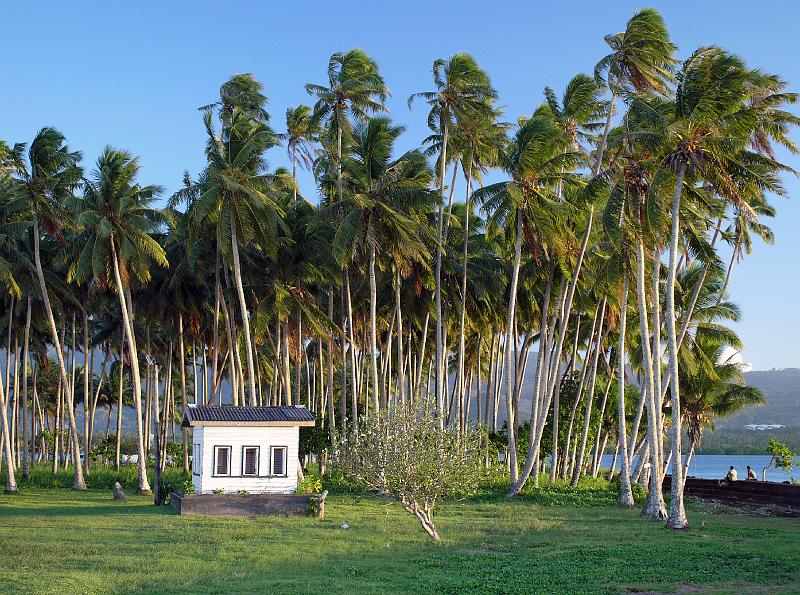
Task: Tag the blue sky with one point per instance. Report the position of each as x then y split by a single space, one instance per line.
132 74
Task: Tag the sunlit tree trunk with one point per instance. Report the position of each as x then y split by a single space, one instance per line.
655 507
462 310
626 495
441 376
144 485
353 370
677 515
237 275
510 340
28 451
86 391
401 378
182 364
118 448
78 482
373 340
576 474
11 481
329 362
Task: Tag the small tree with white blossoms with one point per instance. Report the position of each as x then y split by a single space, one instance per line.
401 452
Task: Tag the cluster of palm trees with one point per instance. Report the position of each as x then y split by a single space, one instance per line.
597 254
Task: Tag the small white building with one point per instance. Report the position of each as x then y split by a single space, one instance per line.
253 449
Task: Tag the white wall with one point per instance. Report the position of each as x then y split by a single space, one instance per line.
237 437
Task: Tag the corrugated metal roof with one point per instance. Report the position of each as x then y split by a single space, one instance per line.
196 415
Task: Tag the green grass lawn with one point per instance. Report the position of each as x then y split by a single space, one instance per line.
61 541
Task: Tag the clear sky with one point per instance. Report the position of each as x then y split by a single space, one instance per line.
132 74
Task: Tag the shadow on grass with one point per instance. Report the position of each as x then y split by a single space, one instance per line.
11 507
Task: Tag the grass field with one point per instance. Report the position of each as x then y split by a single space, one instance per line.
61 541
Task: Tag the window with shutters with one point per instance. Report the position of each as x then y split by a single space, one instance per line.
222 460
197 463
250 460
279 460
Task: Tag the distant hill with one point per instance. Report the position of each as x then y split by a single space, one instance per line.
781 390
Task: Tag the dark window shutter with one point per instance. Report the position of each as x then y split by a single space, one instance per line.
250 461
278 462
222 461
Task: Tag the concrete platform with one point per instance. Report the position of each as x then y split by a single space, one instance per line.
237 505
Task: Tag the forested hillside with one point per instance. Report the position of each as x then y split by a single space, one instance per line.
781 390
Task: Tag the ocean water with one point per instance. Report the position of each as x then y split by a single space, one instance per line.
716 466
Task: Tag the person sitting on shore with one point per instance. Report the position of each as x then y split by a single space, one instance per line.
751 475
732 474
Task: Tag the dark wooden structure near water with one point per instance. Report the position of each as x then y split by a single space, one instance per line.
757 493
239 505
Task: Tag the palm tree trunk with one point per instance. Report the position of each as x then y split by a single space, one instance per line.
97 390
294 175
144 485
589 400
689 459
421 358
656 355
353 370
440 372
232 349
11 481
727 277
401 377
27 452
86 391
118 449
654 508
555 360
237 274
215 358
329 362
604 141
78 482
373 338
626 495
182 364
593 347
286 369
677 515
462 312
510 340
598 449
148 395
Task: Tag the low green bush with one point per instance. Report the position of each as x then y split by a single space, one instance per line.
100 477
310 484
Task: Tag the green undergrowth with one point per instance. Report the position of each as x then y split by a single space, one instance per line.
589 492
99 477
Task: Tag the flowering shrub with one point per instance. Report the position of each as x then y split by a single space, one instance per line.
403 453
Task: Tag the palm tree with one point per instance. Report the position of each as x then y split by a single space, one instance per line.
115 225
707 140
527 205
463 93
481 139
577 114
355 87
641 62
47 179
302 129
711 388
233 196
379 217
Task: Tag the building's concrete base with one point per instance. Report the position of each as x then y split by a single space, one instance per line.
234 505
